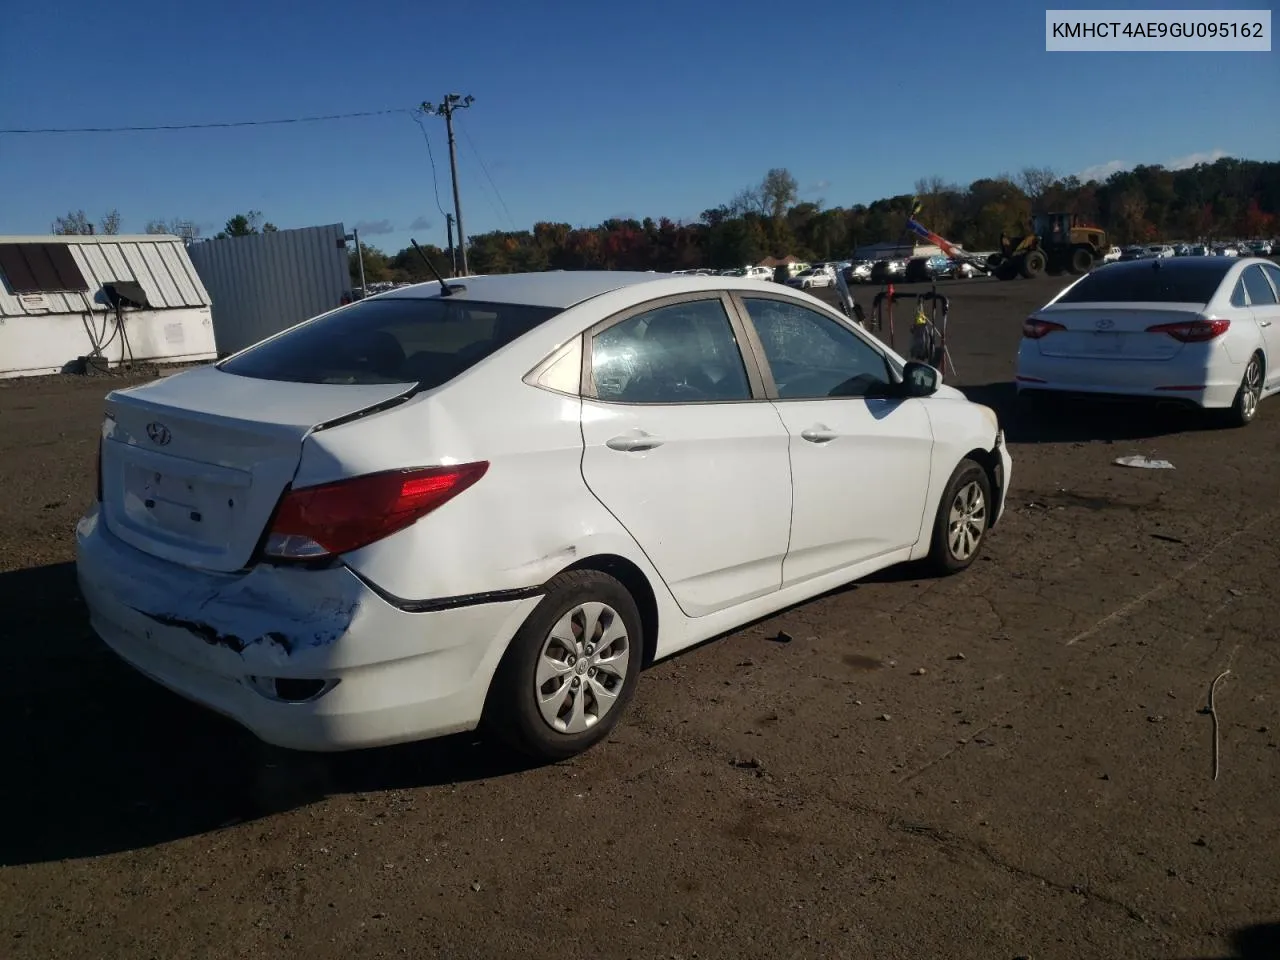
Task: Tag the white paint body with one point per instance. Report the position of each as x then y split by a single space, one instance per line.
733 516
46 332
1107 349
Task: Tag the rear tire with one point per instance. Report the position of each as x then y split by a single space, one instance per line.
1244 409
1033 264
584 642
963 518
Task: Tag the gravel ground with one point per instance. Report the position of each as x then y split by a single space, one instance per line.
1008 763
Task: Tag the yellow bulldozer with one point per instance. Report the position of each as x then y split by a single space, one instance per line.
1056 243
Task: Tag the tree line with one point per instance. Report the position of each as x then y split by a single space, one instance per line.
1227 199
78 223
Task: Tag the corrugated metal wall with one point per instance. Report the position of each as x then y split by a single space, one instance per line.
159 264
266 282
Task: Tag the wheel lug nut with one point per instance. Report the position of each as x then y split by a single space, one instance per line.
591 672
572 660
591 648
576 681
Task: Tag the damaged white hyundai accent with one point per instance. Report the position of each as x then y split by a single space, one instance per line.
493 502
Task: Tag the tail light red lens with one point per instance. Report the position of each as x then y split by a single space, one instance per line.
317 522
1194 331
1034 329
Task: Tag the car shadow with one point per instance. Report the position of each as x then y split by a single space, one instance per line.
98 759
1080 420
1259 941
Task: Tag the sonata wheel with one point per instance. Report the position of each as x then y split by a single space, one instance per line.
582 668
967 521
1251 389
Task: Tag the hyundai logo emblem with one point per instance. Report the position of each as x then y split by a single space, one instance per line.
1105 324
159 434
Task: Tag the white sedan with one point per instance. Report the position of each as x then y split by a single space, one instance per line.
495 503
1201 330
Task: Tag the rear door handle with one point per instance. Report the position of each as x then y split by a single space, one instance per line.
1264 323
633 442
819 434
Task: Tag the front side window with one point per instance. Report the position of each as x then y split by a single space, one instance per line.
682 353
420 340
814 357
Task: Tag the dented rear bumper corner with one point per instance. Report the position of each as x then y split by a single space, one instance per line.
389 675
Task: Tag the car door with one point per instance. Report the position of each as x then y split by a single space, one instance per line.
684 450
860 459
1263 297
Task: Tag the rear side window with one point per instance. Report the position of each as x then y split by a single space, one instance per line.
391 340
1184 282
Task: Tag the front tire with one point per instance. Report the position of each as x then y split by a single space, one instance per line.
964 516
571 669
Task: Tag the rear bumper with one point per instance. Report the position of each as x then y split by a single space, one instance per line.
1190 381
391 676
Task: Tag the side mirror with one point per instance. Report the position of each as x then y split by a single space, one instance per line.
919 380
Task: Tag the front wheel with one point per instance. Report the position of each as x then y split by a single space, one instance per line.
964 515
571 669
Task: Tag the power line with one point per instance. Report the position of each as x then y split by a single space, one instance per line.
435 180
200 126
484 168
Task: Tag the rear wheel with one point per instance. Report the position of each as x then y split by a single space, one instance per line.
571 669
964 514
1245 407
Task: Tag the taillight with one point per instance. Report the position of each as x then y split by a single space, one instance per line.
333 518
1034 329
1193 331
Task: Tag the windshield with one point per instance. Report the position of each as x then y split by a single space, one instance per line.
427 341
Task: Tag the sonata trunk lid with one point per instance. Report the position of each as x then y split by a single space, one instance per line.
193 465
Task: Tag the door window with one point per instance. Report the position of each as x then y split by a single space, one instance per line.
814 357
682 353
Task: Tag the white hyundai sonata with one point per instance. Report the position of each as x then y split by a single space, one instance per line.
1199 330
495 502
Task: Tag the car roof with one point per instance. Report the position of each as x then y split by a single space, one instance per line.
554 288
1212 266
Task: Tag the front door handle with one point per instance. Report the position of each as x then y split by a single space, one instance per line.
1264 323
633 442
819 434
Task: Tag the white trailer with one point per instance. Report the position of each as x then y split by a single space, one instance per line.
68 301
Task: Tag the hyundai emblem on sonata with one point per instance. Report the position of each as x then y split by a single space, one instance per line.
158 433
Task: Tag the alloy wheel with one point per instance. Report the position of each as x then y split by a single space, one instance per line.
581 667
967 521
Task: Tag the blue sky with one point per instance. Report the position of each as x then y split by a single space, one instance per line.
583 110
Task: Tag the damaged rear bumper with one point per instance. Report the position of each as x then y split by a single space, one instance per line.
381 675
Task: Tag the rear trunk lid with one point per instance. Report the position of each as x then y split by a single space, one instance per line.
1113 331
193 465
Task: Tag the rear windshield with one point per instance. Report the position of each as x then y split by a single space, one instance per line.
1185 281
390 340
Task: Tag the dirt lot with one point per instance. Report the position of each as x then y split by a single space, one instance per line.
1042 789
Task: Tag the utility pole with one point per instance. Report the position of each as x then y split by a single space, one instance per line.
453 254
445 108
